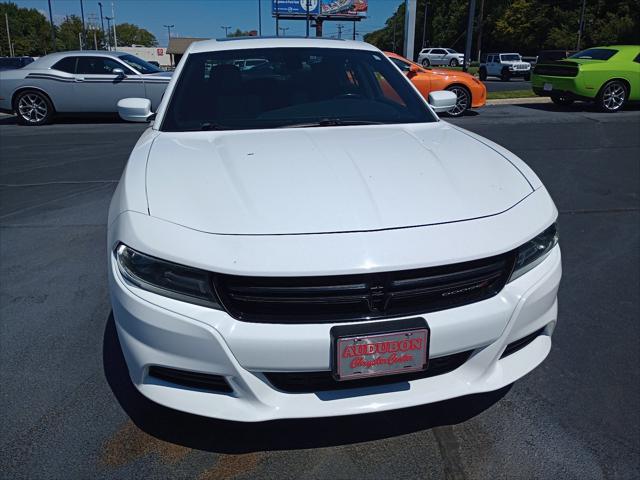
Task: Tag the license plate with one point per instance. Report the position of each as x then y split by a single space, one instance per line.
375 349
547 87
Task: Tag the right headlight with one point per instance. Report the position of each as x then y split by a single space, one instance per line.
534 251
165 278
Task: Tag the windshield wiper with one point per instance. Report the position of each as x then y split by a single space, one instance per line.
331 122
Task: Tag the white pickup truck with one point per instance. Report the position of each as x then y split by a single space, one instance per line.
505 66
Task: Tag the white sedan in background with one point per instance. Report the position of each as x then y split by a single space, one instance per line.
313 241
78 82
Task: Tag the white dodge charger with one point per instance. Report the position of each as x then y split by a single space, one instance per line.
306 238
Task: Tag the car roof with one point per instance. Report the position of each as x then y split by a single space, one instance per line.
241 43
51 59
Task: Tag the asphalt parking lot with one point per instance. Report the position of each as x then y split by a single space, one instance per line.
68 410
497 85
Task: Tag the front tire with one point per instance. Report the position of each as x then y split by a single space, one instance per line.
454 62
527 77
562 100
426 62
463 103
612 96
33 108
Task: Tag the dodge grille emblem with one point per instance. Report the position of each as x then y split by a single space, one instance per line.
378 299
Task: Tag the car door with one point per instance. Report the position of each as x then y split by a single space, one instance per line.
98 89
492 66
438 56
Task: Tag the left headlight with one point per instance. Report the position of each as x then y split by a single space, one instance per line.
165 278
534 251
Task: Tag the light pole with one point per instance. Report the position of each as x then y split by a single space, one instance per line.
308 6
581 26
101 18
53 28
424 26
467 49
226 30
259 18
6 19
115 33
284 31
169 27
109 32
84 30
340 27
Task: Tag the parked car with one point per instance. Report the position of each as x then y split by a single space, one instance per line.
470 91
13 63
318 243
440 56
505 66
608 76
78 82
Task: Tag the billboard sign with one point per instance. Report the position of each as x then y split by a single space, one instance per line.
295 7
347 8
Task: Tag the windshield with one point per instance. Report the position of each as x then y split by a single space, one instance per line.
139 64
291 87
595 54
512 57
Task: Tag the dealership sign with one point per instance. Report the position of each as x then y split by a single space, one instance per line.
347 8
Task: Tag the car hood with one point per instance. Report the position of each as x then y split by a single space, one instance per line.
327 179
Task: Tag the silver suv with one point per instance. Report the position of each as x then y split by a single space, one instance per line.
440 56
505 66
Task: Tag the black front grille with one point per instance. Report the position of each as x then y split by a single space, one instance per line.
202 381
363 296
309 382
557 69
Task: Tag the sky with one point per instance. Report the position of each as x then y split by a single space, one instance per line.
204 18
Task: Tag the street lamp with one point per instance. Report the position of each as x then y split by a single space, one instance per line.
101 18
109 32
226 30
284 30
169 27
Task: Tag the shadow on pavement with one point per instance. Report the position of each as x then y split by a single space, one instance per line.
88 119
222 436
585 107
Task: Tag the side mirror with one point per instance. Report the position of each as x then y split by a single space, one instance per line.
442 100
413 70
135 109
119 72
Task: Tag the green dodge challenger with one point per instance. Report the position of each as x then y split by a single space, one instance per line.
609 76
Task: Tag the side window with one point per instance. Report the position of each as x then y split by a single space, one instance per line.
67 64
400 64
100 66
637 59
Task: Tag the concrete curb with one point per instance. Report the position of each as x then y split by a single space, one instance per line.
517 101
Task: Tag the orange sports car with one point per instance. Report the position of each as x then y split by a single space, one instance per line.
471 92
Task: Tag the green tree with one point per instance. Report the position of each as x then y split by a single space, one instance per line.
30 31
129 35
524 26
240 33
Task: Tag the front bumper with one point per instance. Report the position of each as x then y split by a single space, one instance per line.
159 331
